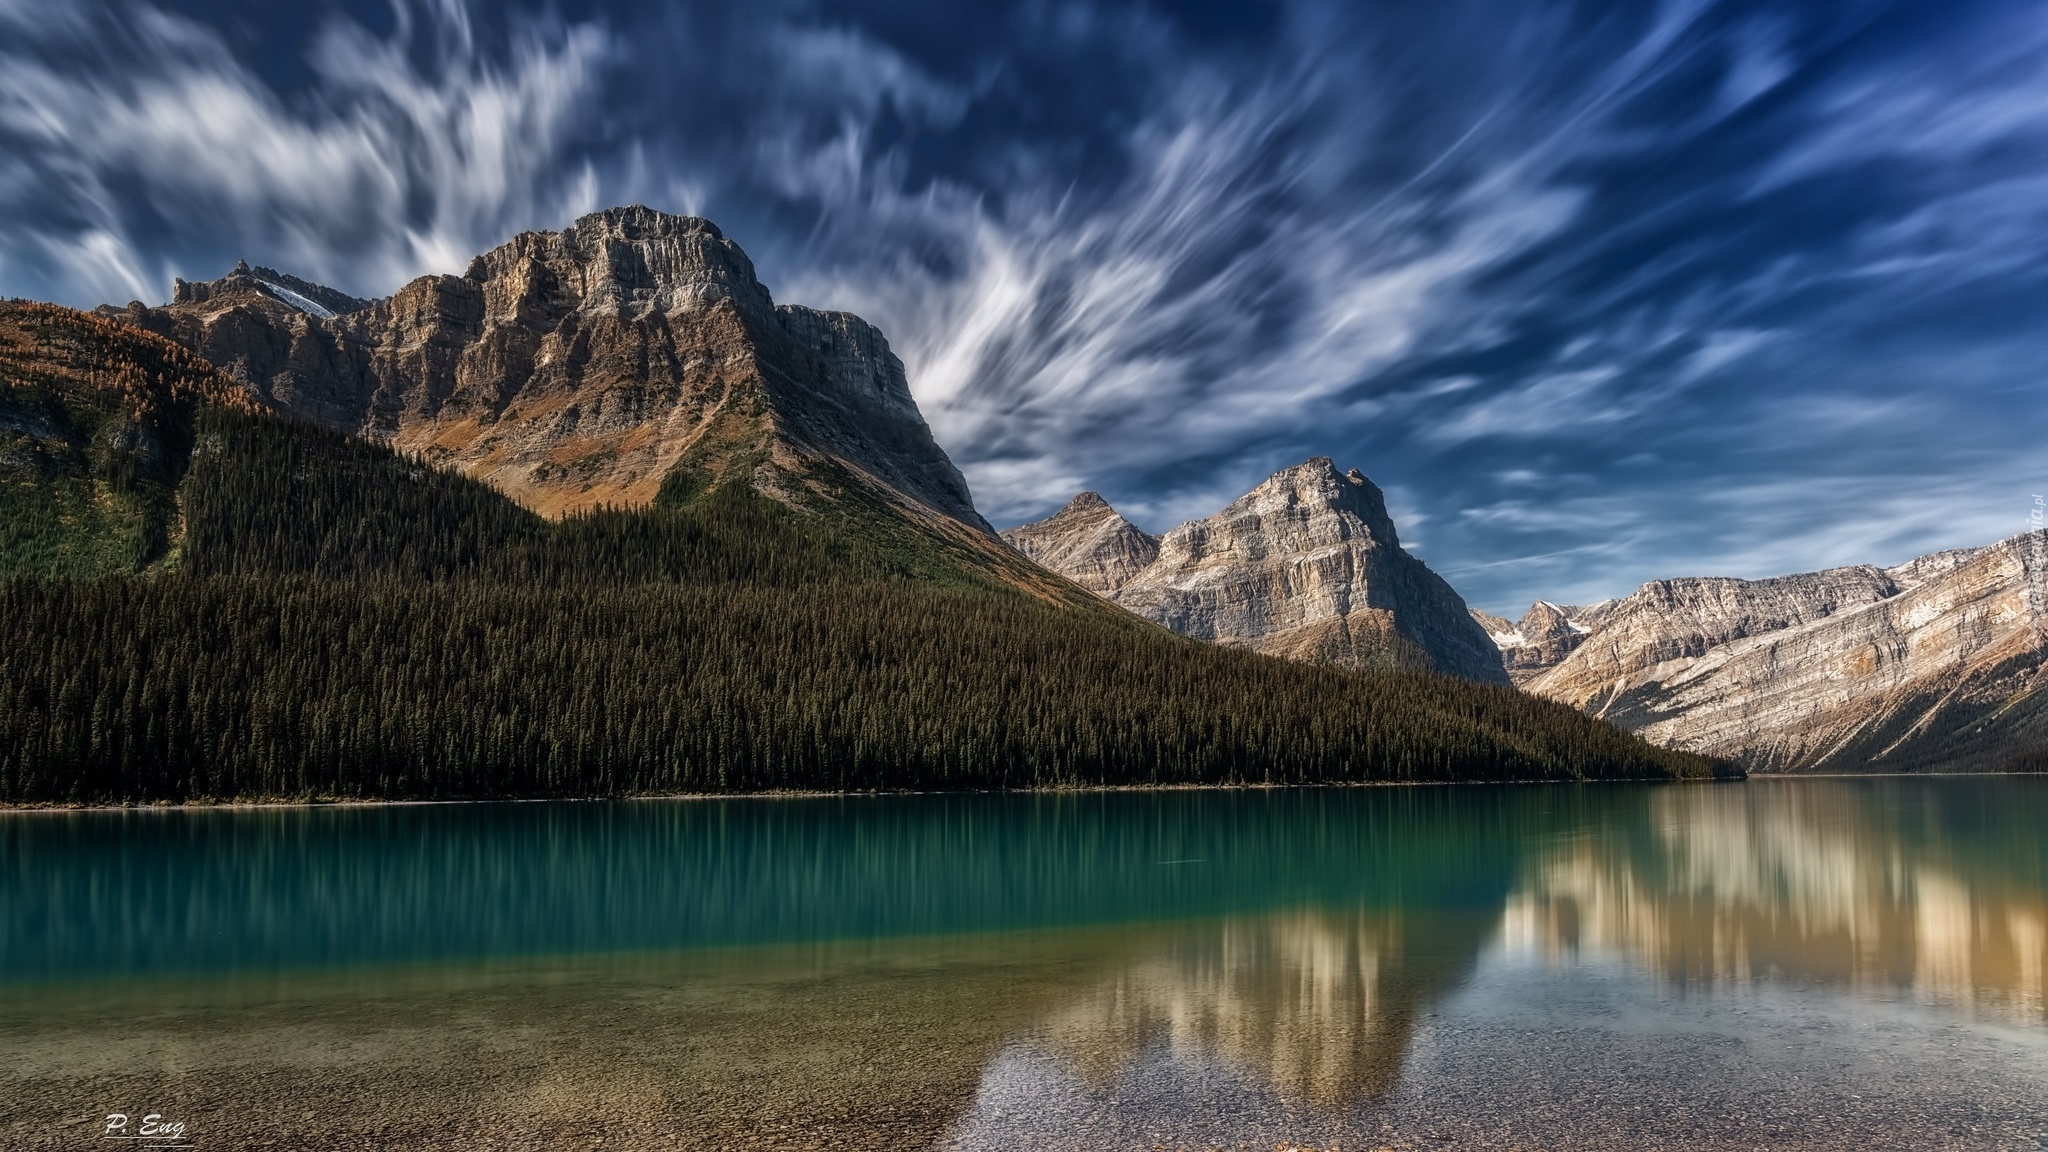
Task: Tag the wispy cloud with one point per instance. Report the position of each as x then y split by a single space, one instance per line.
1603 291
133 122
1174 329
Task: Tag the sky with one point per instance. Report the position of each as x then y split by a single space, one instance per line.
1597 292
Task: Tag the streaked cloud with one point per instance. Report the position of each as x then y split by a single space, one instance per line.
1598 292
138 131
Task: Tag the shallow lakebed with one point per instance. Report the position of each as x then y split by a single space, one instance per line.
1825 963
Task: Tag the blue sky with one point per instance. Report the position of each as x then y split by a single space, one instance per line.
1598 292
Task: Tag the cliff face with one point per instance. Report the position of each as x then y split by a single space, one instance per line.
578 368
1088 543
1307 565
1938 662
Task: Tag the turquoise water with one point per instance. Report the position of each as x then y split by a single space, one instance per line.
1614 966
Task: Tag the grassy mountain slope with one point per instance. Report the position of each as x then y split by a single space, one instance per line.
339 621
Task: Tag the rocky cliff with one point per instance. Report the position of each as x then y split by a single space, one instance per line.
1938 662
579 368
1307 565
1088 543
1545 635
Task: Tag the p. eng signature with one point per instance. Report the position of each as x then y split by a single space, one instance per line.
151 1131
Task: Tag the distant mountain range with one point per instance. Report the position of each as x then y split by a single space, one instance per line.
1940 662
600 518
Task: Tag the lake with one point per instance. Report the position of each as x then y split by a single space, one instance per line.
1818 963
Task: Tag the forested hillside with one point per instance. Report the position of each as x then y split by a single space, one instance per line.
322 618
95 429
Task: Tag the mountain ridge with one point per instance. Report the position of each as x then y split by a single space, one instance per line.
1088 542
577 369
1307 565
1941 661
304 613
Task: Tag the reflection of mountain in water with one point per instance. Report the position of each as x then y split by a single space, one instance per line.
1940 891
1316 1006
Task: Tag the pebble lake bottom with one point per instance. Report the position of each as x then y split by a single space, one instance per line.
1826 963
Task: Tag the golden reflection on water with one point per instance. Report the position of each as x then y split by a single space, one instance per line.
1317 1007
1855 884
1826 881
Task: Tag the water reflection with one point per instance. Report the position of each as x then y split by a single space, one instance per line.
1316 1007
1334 967
133 893
1935 889
1929 891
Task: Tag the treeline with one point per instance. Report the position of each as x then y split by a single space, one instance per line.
267 497
339 621
210 687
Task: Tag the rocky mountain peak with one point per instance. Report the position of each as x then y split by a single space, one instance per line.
1089 543
264 288
1934 565
1305 492
636 223
632 259
1305 565
579 368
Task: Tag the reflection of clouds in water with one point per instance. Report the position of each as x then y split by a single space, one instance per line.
1823 882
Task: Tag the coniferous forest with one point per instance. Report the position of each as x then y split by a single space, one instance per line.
199 601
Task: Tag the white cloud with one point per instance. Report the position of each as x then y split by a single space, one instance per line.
1721 349
384 170
1758 62
1985 91
1573 400
1205 303
102 259
838 65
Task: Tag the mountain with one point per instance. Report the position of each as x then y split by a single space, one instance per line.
1545 635
1088 543
1938 662
1306 566
204 595
579 369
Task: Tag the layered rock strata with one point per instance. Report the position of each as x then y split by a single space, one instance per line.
1089 543
1936 663
577 369
1307 565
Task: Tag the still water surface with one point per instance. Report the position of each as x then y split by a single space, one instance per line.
1778 963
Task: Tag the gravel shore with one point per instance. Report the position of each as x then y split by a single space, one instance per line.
1196 1037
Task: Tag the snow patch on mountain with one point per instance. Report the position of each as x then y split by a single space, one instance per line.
295 300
